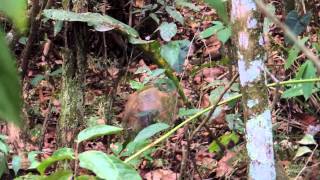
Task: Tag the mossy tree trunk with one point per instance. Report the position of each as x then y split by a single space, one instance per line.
248 39
72 92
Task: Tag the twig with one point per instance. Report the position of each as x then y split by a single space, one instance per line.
214 106
305 165
290 34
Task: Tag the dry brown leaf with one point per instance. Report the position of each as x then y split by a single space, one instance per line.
161 174
225 164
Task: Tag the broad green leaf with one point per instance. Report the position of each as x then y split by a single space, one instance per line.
3 164
307 139
149 131
29 177
155 17
224 140
175 14
87 177
3 137
37 79
296 23
136 85
106 166
16 164
56 72
32 157
59 175
293 92
97 131
302 151
211 30
307 71
293 54
175 53
58 155
116 148
235 123
167 30
57 27
188 112
17 11
134 40
132 147
4 148
183 3
221 7
98 21
10 104
224 34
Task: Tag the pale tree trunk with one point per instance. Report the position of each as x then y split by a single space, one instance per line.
248 39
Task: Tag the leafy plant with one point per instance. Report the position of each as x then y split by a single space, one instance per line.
306 70
222 32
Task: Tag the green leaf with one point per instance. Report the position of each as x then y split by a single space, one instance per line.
211 30
302 151
37 79
149 131
235 123
3 137
32 157
4 148
3 164
175 14
297 24
29 177
16 164
107 167
155 17
307 139
116 148
97 131
17 11
224 34
183 3
307 71
57 27
10 104
293 53
132 147
98 21
175 53
59 175
221 7
87 177
224 140
167 30
292 92
58 155
136 85
188 112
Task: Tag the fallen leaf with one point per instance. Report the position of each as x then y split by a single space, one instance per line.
225 164
161 174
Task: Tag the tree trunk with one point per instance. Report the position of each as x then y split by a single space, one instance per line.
248 40
72 93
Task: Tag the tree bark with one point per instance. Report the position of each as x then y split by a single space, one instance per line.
72 93
248 40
